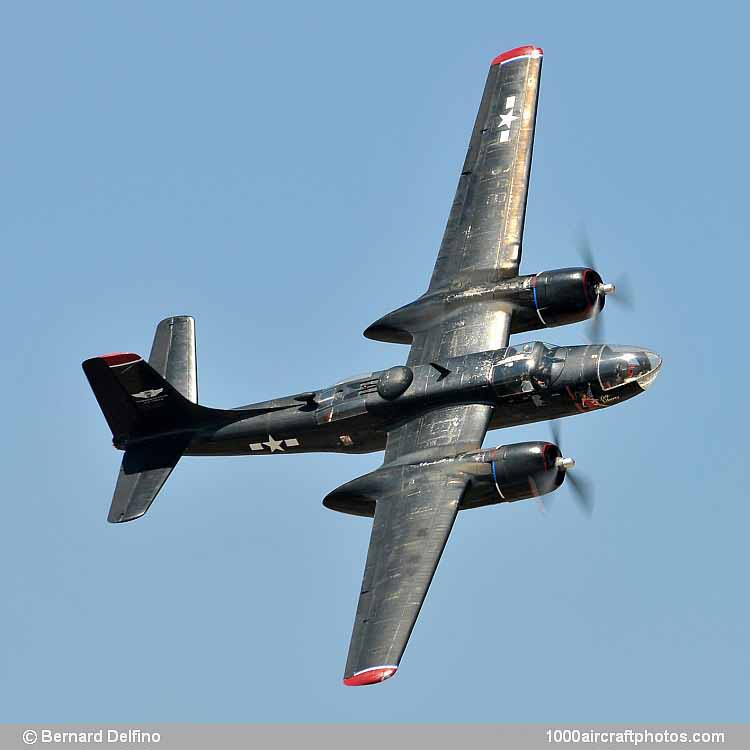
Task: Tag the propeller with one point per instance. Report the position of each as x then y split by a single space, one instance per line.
537 495
582 488
622 287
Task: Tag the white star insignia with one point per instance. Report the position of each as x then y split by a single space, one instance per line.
274 445
507 119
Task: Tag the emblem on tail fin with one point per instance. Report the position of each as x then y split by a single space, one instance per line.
148 394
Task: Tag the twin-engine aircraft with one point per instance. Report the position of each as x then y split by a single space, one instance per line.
461 378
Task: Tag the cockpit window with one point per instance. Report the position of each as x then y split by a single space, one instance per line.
553 362
356 378
620 365
518 350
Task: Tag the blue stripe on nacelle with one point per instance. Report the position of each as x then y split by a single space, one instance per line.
494 479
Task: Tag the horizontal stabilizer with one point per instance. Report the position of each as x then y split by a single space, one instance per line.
144 469
173 354
151 408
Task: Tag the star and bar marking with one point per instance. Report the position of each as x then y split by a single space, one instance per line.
275 445
507 118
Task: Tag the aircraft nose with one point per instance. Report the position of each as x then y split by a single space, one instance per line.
620 365
646 378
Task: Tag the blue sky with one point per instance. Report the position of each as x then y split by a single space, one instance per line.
284 174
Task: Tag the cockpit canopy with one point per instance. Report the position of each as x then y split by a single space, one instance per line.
523 367
619 365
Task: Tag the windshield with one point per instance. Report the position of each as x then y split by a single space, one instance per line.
619 365
356 378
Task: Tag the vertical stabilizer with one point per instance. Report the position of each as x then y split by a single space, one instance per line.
151 408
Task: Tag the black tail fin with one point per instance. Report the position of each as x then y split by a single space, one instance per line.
149 418
152 411
138 402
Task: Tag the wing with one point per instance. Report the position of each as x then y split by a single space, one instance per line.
416 504
486 221
442 432
482 241
417 496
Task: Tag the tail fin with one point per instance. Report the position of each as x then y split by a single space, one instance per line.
149 418
136 400
152 411
151 408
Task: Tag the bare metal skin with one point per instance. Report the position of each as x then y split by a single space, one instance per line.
528 383
430 415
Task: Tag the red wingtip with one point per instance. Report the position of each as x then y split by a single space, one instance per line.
120 358
528 50
370 676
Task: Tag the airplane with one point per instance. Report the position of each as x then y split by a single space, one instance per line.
430 416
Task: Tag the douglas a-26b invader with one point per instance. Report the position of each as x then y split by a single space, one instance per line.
430 415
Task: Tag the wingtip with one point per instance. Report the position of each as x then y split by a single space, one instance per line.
528 50
120 517
371 676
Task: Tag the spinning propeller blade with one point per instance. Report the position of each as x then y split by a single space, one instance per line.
623 289
582 493
595 329
582 488
537 495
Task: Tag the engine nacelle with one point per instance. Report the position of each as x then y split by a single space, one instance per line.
546 300
515 472
498 475
566 295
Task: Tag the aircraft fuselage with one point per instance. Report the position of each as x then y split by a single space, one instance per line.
531 382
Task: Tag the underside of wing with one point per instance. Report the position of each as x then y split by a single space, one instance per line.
478 327
482 239
416 500
415 493
481 246
414 514
442 432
